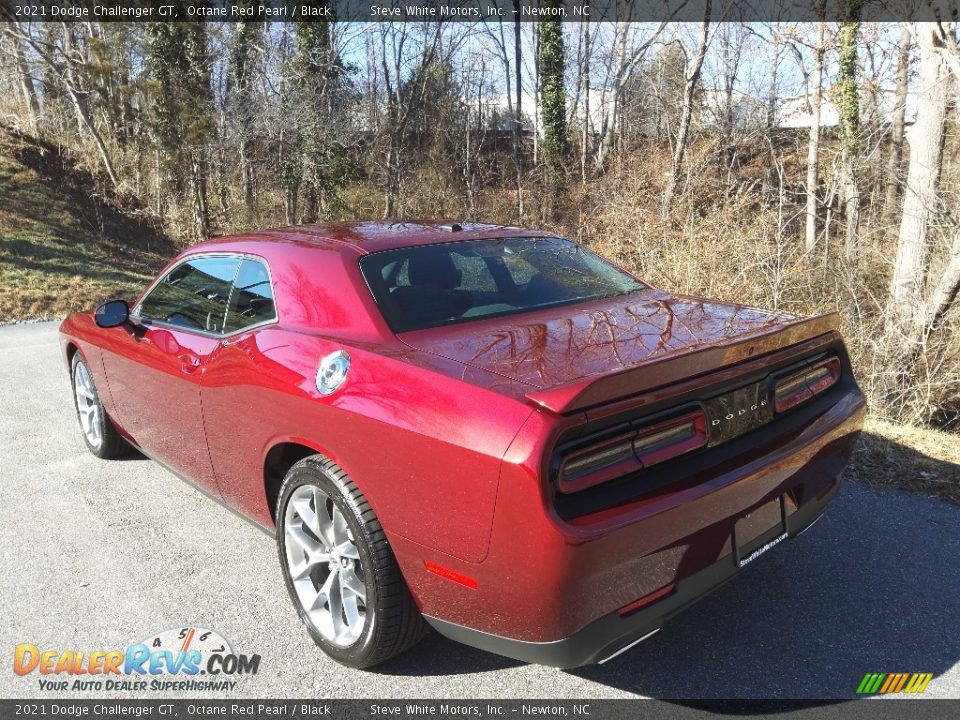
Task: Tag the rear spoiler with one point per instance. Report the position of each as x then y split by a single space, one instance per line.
657 372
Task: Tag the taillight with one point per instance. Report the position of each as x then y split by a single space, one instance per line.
670 439
794 389
640 448
598 464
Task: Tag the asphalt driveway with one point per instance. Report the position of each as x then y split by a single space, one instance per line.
98 554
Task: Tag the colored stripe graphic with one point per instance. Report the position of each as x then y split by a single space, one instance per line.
870 683
923 680
891 680
890 683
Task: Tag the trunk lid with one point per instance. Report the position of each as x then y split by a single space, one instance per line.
576 357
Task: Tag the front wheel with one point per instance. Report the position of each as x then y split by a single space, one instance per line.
99 434
339 569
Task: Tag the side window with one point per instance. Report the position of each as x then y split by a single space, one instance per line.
251 302
193 295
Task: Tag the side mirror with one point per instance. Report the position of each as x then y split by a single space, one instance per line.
112 314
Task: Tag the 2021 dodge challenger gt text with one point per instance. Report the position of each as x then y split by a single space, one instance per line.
487 430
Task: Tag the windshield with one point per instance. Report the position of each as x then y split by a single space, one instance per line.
432 285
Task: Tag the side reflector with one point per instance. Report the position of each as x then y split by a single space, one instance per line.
647 599
449 574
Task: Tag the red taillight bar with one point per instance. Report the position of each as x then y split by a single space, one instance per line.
640 448
671 439
799 387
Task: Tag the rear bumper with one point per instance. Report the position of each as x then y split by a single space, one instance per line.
552 590
612 634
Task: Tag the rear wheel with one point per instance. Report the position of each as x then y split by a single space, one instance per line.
339 569
99 434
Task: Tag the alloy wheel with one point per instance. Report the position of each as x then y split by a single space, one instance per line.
324 565
88 407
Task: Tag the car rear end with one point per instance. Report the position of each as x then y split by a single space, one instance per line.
625 499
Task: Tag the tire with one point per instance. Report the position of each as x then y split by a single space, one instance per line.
99 434
361 612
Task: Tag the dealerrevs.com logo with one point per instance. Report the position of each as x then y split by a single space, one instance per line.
180 659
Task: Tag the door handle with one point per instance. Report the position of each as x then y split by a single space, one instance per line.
188 362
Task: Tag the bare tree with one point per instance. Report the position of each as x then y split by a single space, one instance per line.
694 66
63 64
245 37
25 81
895 157
404 80
920 193
628 61
518 109
815 95
850 140
513 90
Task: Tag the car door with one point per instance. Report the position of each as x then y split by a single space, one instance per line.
155 368
237 395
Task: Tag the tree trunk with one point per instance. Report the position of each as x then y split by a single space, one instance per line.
518 114
553 108
198 177
849 107
611 118
585 130
290 206
773 89
895 159
625 66
392 189
158 181
813 144
693 78
245 37
27 89
944 291
310 202
920 192
246 168
851 206
88 122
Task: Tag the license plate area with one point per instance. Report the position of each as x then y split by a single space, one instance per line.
759 531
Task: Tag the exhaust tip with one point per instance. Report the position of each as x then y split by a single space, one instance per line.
628 646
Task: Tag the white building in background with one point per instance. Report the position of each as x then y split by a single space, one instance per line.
747 111
794 112
496 111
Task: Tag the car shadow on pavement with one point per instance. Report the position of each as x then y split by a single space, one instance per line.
132 454
873 587
437 656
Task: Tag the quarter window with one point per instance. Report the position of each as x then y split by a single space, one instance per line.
251 301
193 295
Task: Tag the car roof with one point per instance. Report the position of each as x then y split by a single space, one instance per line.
368 237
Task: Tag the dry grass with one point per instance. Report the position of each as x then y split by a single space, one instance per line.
917 459
65 245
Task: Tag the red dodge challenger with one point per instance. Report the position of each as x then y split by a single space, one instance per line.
487 430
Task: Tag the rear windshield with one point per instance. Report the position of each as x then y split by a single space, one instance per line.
432 285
